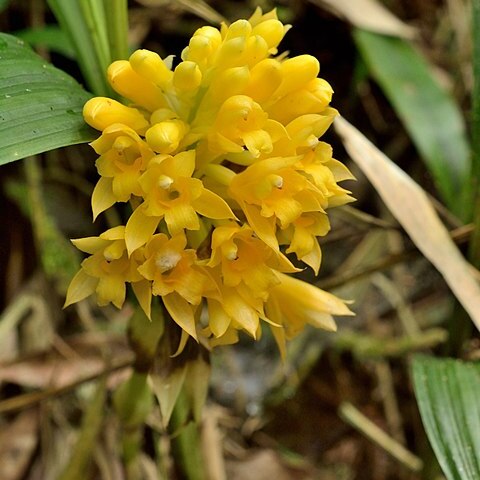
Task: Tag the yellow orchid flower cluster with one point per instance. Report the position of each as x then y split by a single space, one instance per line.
221 162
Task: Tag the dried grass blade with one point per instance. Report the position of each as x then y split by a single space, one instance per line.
410 205
368 15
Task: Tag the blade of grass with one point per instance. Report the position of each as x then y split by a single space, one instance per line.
447 392
363 424
429 114
51 37
117 28
70 16
82 453
96 21
475 241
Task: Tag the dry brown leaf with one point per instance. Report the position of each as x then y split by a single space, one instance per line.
18 441
80 356
198 7
410 205
212 444
368 15
265 464
53 373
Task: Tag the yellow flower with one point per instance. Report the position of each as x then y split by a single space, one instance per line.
223 166
271 190
123 158
175 277
293 304
301 238
234 309
171 193
243 259
106 271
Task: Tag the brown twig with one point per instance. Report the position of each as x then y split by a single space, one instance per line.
459 235
27 400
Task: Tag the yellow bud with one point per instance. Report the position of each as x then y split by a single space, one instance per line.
271 31
265 77
297 72
101 112
162 114
231 81
212 34
295 104
150 66
230 53
129 84
240 28
202 46
259 17
322 90
164 137
187 76
256 49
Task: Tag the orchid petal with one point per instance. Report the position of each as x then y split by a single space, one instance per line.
81 286
181 312
102 196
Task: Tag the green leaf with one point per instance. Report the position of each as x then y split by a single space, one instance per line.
40 106
448 393
51 37
474 247
428 112
84 24
4 4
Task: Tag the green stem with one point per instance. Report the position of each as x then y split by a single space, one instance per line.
81 21
117 28
186 444
474 252
95 19
91 425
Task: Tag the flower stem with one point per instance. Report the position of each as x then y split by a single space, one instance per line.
117 28
186 445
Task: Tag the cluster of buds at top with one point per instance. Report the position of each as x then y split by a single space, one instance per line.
221 162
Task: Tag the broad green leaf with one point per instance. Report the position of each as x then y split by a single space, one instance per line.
429 114
448 393
40 106
51 37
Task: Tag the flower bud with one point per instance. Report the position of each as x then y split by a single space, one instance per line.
101 112
272 31
187 76
164 137
129 84
150 66
297 72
